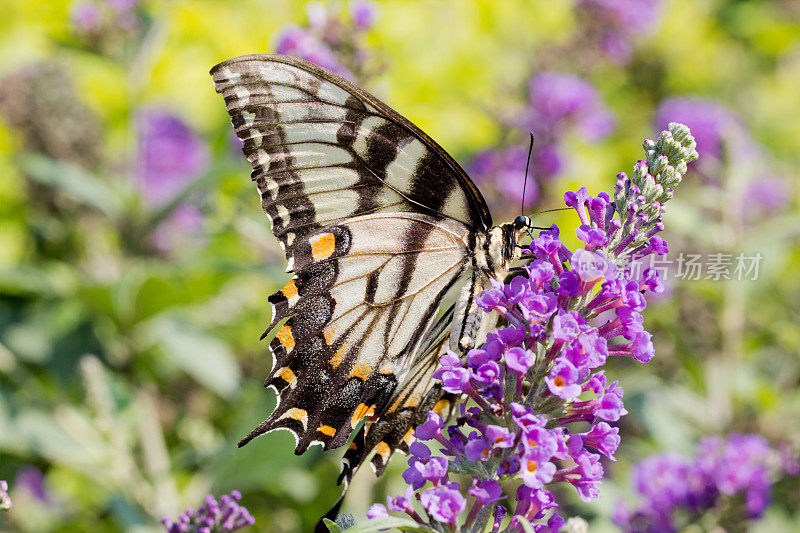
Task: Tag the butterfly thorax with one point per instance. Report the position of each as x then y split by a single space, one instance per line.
496 249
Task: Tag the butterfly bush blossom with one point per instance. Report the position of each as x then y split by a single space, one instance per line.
732 477
539 408
213 516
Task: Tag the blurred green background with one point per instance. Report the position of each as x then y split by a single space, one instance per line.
135 261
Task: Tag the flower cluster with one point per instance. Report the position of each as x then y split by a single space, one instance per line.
556 103
332 42
614 24
213 516
538 406
5 501
730 476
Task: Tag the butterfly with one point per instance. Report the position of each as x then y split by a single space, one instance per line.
378 223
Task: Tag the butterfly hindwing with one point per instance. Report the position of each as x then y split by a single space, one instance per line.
364 294
324 150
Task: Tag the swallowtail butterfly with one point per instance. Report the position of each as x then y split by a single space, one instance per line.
378 222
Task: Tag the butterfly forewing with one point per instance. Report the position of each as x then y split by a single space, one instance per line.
324 150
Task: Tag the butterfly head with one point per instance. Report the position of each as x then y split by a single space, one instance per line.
523 225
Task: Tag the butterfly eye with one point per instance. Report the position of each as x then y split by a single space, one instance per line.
522 221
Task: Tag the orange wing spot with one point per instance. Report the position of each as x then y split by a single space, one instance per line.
287 375
328 333
286 338
322 246
361 411
440 406
353 446
408 438
297 414
336 360
290 291
383 450
360 371
327 430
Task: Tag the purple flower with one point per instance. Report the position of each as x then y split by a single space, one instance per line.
562 380
431 428
603 438
499 437
434 470
443 503
609 404
170 155
219 516
486 491
401 504
592 266
535 472
477 449
377 511
729 476
519 360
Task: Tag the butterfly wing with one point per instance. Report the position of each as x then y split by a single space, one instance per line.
364 295
324 150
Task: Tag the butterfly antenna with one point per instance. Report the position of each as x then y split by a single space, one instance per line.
525 181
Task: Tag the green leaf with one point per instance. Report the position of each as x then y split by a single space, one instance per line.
205 358
332 527
73 181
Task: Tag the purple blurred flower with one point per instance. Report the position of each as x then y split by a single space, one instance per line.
765 196
302 43
170 155
617 22
708 120
217 516
729 479
555 98
364 13
31 480
503 170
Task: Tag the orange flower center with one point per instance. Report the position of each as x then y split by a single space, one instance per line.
532 466
559 381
